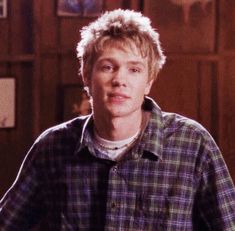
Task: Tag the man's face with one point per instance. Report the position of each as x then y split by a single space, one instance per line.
119 82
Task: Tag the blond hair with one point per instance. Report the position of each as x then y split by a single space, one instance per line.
125 28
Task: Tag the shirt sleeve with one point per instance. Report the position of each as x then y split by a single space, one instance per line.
21 207
216 194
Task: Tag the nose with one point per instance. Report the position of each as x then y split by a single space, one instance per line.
119 78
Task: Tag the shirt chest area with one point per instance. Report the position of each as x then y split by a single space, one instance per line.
131 192
139 180
145 175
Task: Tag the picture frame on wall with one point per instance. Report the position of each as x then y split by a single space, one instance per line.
75 102
3 8
7 102
85 8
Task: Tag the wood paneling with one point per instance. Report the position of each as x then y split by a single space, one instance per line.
21 27
48 24
227 25
49 83
4 36
195 36
178 78
226 91
15 142
228 115
16 59
70 69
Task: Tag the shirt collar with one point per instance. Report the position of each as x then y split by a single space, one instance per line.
85 139
151 140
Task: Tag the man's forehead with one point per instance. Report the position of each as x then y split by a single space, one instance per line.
125 44
128 47
122 54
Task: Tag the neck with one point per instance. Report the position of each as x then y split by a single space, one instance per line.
118 128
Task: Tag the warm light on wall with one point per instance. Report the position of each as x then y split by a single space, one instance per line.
186 5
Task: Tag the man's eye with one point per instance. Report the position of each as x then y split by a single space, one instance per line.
135 70
107 68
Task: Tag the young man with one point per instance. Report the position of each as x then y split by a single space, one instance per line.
128 165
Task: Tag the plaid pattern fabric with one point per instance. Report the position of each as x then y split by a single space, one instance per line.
174 179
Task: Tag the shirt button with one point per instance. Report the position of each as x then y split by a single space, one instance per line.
113 205
136 156
115 168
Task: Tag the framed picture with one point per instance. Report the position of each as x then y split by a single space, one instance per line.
75 102
7 102
3 8
89 8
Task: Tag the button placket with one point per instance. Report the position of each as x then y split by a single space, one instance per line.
115 168
136 156
113 205
113 202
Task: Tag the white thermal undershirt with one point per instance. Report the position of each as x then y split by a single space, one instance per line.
114 148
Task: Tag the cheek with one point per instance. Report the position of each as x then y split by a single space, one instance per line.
148 86
143 89
147 90
96 89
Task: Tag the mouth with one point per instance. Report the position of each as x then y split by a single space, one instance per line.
118 97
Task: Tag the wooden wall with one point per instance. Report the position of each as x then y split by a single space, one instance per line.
17 60
38 48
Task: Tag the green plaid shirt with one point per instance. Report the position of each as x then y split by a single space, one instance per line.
174 179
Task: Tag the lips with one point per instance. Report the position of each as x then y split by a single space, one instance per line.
118 97
121 95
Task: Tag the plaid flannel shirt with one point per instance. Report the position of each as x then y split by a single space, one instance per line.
174 179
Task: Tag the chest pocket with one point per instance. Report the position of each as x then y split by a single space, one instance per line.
151 213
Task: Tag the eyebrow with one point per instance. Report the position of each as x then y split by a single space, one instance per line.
136 63
131 62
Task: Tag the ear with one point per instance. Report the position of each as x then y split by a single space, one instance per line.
148 86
